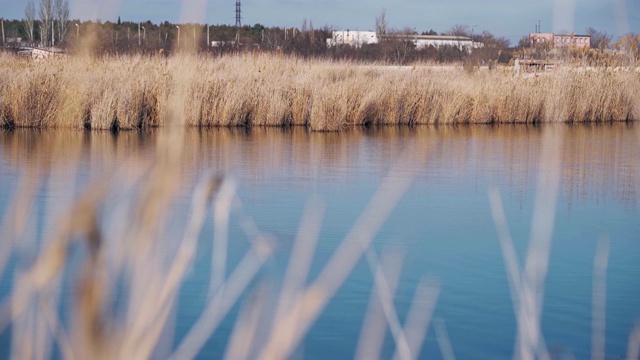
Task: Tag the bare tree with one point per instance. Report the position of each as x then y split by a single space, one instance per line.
459 30
399 45
381 23
46 17
272 40
599 39
490 40
61 15
30 15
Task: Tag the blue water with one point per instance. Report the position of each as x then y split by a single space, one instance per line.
442 226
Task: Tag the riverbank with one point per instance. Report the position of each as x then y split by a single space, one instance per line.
270 90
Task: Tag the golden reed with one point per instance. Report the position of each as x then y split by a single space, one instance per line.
133 92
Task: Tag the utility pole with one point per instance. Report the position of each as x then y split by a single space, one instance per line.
3 43
139 38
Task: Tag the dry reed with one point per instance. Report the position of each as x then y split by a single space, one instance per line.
272 90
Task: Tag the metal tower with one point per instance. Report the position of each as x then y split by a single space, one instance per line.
238 14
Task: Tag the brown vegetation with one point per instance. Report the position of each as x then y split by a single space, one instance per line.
121 93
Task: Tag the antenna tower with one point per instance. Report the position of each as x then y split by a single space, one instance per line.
238 14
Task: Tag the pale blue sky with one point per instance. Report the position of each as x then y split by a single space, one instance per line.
509 18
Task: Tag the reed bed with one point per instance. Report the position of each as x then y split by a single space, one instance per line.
134 92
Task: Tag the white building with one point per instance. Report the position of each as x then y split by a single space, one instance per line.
461 42
353 38
359 38
219 44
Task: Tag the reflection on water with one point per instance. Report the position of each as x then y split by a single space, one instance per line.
443 224
598 161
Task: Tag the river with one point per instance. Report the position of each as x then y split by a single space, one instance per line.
442 228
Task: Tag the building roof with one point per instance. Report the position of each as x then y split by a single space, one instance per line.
431 37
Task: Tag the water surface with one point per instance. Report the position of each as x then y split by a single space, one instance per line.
443 225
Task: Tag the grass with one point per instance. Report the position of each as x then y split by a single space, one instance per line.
133 92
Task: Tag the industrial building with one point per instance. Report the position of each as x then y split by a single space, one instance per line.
359 38
554 41
424 41
353 38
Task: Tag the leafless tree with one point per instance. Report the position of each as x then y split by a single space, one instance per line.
490 40
599 39
459 30
399 45
46 17
381 23
30 15
273 39
61 15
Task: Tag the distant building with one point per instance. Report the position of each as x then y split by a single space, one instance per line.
424 41
219 44
577 41
541 39
559 41
359 38
353 38
41 53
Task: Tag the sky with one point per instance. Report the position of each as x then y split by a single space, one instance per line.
512 19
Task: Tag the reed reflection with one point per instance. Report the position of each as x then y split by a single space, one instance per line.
599 162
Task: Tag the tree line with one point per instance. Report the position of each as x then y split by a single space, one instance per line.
48 24
126 37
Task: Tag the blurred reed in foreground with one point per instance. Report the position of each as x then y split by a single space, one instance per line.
114 255
134 92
